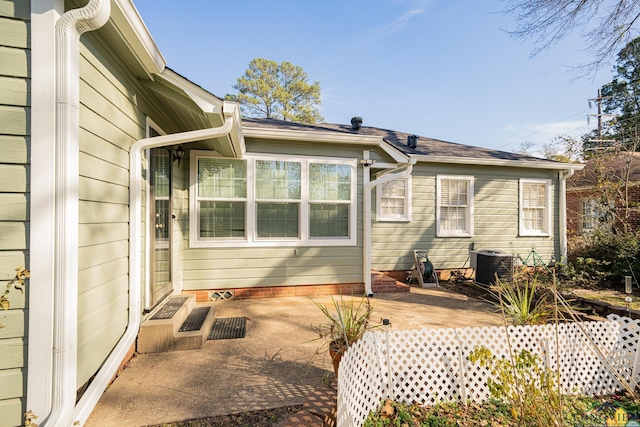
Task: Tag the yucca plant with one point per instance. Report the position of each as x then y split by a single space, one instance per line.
521 302
347 322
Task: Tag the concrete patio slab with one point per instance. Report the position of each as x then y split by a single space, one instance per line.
272 366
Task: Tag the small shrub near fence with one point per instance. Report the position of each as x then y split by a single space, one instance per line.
427 366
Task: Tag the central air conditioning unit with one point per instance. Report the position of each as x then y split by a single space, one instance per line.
489 263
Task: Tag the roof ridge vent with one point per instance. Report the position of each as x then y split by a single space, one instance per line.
412 141
356 123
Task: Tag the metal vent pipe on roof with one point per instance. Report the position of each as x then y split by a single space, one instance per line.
412 141
356 123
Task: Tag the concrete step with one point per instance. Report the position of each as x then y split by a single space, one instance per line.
178 324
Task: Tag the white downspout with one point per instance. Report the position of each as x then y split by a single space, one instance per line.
562 229
368 186
69 28
110 366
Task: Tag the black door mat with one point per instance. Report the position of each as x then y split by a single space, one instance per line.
228 327
195 319
170 308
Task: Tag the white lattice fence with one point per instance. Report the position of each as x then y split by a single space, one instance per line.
430 365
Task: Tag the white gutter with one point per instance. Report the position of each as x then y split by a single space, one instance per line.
110 366
368 186
69 28
533 164
562 219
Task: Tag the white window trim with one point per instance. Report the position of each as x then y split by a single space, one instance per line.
470 196
251 240
407 204
546 218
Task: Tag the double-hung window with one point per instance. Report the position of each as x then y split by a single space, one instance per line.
263 200
221 198
394 200
330 195
277 194
535 210
454 206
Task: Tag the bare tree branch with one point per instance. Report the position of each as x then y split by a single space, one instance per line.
605 25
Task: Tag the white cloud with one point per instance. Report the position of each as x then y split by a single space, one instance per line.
402 21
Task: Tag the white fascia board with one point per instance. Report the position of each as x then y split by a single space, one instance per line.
311 136
395 153
128 22
542 164
206 101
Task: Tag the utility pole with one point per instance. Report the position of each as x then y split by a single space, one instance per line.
600 115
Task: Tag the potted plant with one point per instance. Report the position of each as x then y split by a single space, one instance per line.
347 323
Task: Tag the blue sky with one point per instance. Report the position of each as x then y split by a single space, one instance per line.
444 69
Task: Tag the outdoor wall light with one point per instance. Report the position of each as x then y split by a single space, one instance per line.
178 154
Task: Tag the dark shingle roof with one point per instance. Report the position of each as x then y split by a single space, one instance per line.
612 167
426 146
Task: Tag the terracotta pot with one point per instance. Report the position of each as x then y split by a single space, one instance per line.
336 356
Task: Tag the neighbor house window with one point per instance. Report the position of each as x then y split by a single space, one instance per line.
267 200
394 201
454 206
593 215
535 210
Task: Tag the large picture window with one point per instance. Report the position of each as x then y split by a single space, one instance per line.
535 211
394 200
261 200
454 206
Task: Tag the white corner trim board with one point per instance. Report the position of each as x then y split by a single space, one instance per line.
44 15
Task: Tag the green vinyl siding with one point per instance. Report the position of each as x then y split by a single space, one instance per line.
14 201
16 9
110 122
255 267
12 353
114 105
15 62
496 216
221 268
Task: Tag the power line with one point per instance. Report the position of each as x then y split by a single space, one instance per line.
543 129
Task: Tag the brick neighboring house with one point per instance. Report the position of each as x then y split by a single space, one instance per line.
586 208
